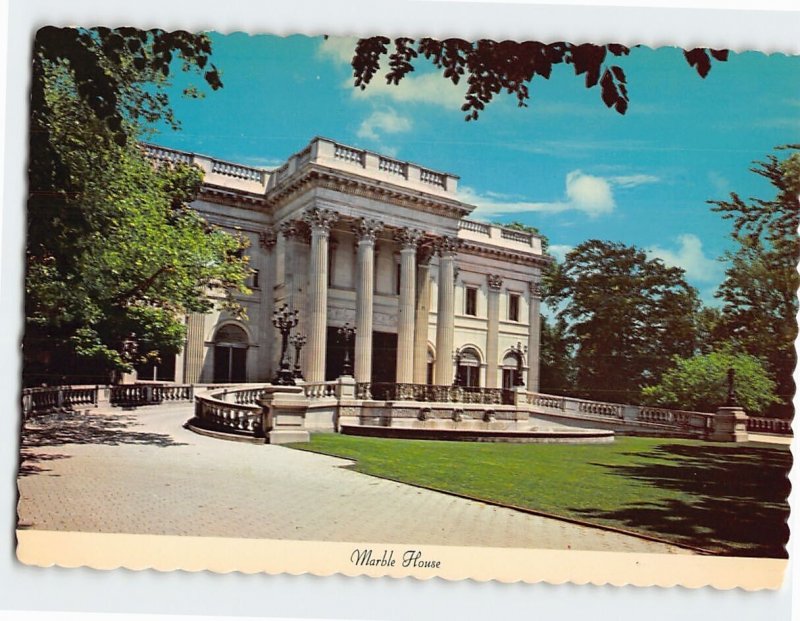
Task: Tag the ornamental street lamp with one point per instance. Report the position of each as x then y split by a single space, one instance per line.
297 341
346 334
731 400
457 355
284 320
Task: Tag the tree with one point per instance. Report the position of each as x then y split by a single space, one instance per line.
759 293
556 363
625 316
491 66
700 383
112 247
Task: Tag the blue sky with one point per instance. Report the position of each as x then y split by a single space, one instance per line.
565 164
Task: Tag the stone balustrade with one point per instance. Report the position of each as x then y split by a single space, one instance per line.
57 398
769 425
211 412
319 390
385 391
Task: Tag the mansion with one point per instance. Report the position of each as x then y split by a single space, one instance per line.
349 237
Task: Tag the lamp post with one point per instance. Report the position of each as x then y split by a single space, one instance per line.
731 400
346 334
284 320
297 341
519 349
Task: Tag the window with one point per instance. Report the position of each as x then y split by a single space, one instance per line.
255 279
468 369
513 307
471 302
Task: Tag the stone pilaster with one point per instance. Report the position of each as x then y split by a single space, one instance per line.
495 283
365 231
445 310
195 348
267 276
534 327
422 313
408 239
320 222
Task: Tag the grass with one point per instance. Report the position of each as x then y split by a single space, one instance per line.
730 499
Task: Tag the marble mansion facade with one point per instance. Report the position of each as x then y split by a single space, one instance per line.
345 235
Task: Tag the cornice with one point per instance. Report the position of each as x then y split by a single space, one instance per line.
231 197
315 176
505 254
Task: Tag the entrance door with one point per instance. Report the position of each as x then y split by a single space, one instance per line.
230 355
384 357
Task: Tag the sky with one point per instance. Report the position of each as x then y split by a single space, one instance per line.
565 164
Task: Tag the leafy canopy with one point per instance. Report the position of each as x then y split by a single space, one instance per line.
491 66
113 248
700 383
623 315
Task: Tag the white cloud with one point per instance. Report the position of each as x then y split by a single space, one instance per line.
338 49
631 181
589 194
585 193
382 122
430 88
691 258
559 251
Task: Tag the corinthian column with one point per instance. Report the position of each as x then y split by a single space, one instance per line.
365 231
445 310
320 221
408 238
422 313
493 315
533 336
195 346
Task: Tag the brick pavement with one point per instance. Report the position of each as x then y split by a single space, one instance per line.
140 471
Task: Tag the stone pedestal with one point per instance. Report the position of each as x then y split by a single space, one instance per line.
284 411
730 425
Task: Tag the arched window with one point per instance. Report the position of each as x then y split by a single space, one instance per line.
230 354
469 367
512 370
429 371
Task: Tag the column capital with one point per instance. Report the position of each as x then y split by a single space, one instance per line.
425 252
295 229
408 237
320 220
366 229
267 238
495 281
535 288
447 245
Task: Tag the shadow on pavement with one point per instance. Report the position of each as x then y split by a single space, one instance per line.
91 428
734 498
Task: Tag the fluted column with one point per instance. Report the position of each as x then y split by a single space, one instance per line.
492 333
422 313
195 346
365 230
320 221
534 327
408 239
445 310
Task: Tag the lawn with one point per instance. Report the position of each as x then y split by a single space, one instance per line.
729 499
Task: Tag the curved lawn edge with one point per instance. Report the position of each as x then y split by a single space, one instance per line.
496 503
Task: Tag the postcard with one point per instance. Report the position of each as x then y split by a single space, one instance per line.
409 307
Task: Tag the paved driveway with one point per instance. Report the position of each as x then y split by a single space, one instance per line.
139 471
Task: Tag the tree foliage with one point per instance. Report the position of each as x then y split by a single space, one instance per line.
624 316
112 248
490 67
700 383
759 293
